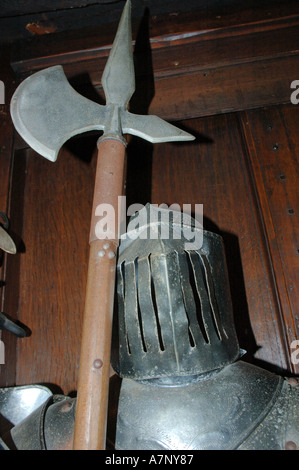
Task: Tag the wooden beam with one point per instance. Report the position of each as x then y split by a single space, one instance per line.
272 139
9 264
214 172
21 20
184 76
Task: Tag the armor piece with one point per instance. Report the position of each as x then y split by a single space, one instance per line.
175 311
32 418
194 393
239 407
49 427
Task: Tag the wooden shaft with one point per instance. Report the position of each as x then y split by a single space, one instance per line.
93 384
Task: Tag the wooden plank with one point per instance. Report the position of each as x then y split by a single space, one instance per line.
8 302
174 52
272 137
218 72
213 172
57 210
5 150
22 7
225 89
170 16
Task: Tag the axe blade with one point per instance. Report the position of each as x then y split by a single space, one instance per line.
47 111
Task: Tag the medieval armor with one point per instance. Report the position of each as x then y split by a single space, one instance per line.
184 385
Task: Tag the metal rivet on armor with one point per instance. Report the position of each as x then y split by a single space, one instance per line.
111 254
66 407
290 445
106 246
293 382
101 253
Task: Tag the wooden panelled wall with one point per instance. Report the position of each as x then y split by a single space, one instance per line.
229 84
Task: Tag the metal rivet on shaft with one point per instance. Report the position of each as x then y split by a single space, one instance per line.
97 364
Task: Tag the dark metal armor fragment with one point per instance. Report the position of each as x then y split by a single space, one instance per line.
240 407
